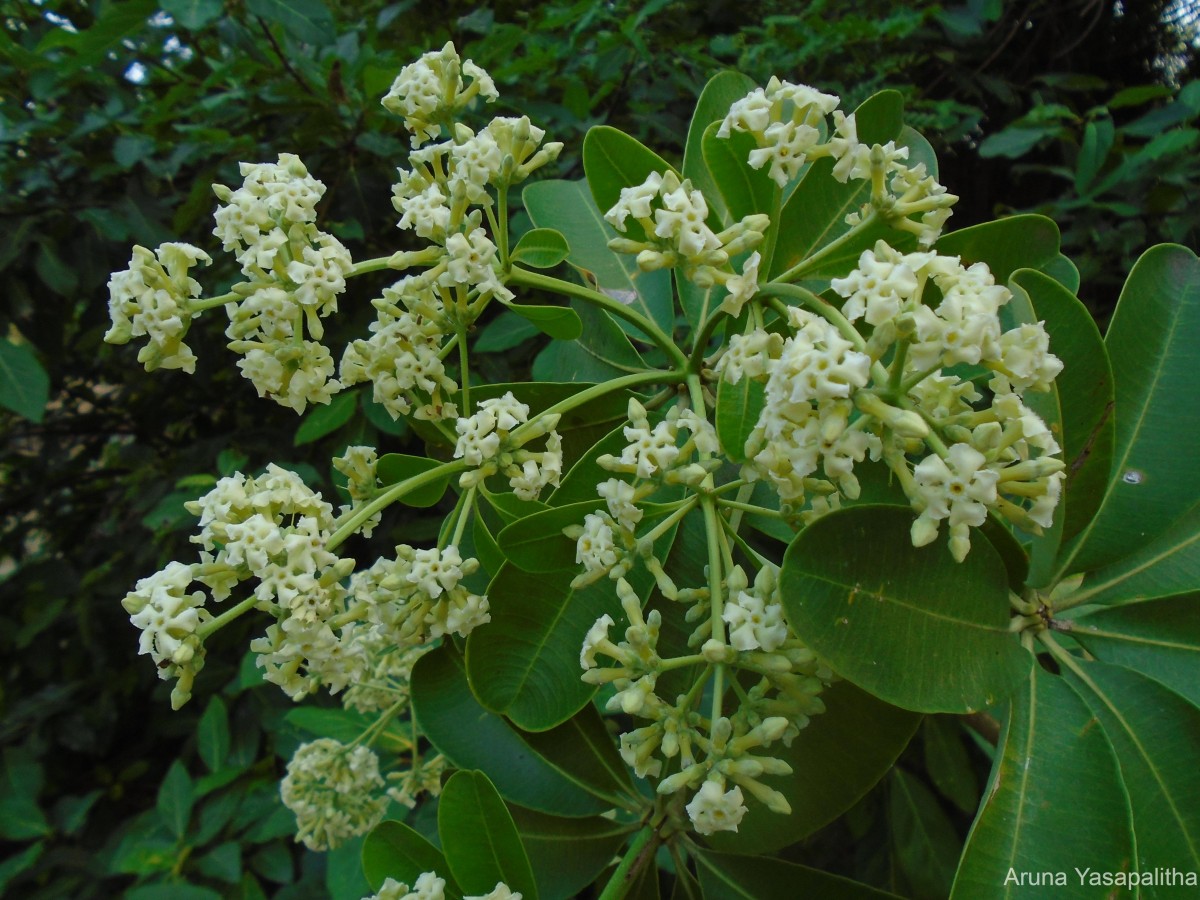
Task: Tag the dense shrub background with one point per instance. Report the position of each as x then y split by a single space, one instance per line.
117 117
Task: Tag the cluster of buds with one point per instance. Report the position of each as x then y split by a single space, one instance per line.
673 218
493 440
790 128
830 403
153 298
428 886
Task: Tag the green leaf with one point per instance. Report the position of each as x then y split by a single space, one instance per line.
603 352
91 45
21 818
583 750
910 625
506 331
175 799
948 764
925 843
743 190
324 419
393 850
24 385
1015 242
569 208
525 664
308 21
567 854
393 468
560 322
1156 736
14 865
1097 141
1159 638
738 408
223 862
344 879
536 543
1049 749
725 876
471 737
841 755
172 891
541 248
193 14
1015 141
1154 345
1077 409
479 838
212 734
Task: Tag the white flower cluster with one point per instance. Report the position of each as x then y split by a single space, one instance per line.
295 272
786 695
152 298
335 792
788 123
490 442
654 456
441 200
429 886
430 92
829 403
674 218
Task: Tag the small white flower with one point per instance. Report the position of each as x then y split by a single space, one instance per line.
714 809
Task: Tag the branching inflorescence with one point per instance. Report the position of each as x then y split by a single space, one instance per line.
903 362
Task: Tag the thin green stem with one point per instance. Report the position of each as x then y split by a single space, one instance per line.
808 264
388 497
215 624
824 309
599 390
750 508
369 265
464 369
649 328
502 224
640 852
199 306
463 509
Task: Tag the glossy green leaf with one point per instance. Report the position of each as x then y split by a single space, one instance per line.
491 558
1077 409
1012 553
91 45
393 850
323 419
567 854
509 507
536 543
948 764
568 207
603 353
1154 345
1159 638
175 799
1017 242
841 755
583 750
541 248
560 322
308 21
743 190
525 664
212 734
479 839
722 91
908 624
923 838
1097 141
738 408
1156 736
471 737
1062 270
506 331
814 215
393 468
24 385
1050 747
724 876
